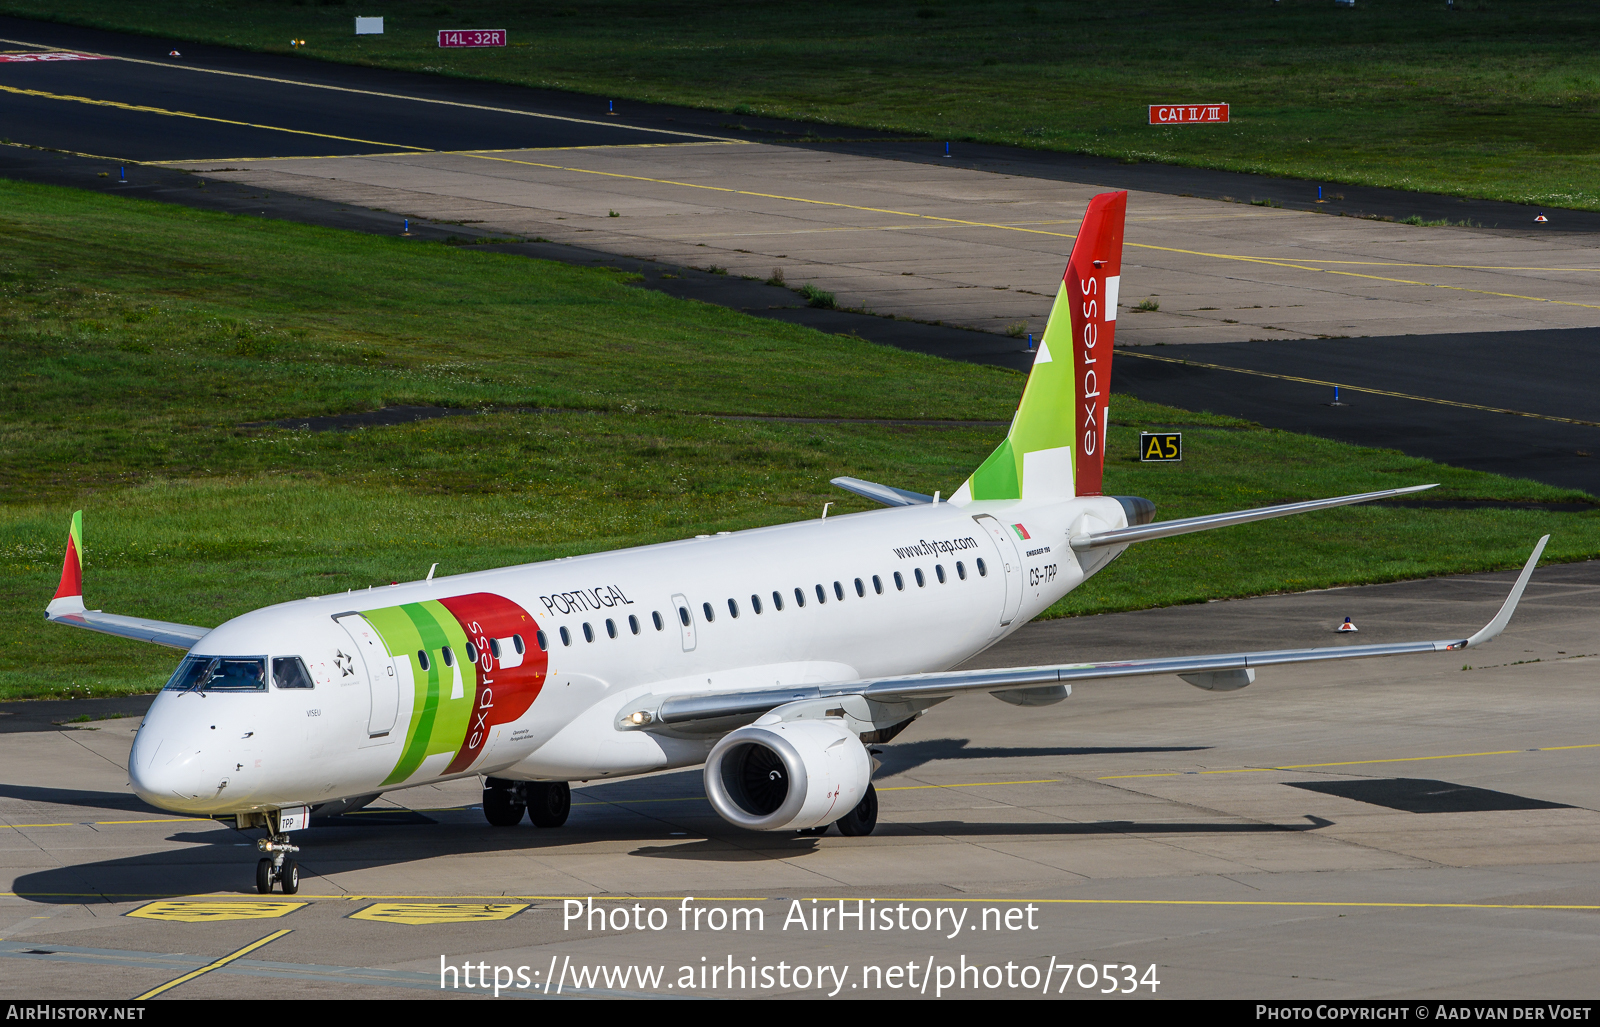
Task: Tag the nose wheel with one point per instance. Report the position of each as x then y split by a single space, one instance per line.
277 868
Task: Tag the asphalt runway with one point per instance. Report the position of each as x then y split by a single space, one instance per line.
156 108
1390 829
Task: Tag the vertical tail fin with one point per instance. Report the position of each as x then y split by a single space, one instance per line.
69 594
1056 446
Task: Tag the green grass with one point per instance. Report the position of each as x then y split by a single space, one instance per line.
1499 99
136 339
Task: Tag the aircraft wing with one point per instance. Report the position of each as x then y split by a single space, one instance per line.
1223 672
1185 525
67 607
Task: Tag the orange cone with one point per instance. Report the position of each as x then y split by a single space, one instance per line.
1347 626
1541 219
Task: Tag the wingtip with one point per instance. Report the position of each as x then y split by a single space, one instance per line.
1509 607
71 586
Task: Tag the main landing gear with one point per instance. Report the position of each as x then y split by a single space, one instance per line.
858 823
547 803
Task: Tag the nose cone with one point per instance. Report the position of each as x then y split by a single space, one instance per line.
171 768
169 775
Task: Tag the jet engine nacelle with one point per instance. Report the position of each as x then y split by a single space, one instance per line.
787 775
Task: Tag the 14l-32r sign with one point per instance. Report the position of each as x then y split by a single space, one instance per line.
473 37
1188 113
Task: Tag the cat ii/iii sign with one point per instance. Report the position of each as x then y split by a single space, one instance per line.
1163 446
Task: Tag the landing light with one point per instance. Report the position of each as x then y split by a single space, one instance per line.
639 718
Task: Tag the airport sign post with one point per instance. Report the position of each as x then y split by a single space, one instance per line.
1188 113
472 37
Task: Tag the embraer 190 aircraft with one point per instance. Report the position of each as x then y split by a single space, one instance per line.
773 656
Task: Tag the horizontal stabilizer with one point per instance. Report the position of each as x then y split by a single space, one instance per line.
178 636
1221 673
884 494
1185 525
67 606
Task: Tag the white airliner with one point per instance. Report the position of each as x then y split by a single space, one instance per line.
773 656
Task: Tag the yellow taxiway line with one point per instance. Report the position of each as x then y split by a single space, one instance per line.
1129 351
1245 258
1351 763
1009 899
367 92
140 109
898 788
224 961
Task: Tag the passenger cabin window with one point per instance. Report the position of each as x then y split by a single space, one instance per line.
938 572
711 614
517 643
220 674
838 591
899 582
683 615
799 597
822 596
422 658
733 609
448 656
633 624
656 617
472 653
611 628
544 643
877 584
494 647
961 570
566 636
290 672
921 581
777 601
983 568
861 589
755 604
588 632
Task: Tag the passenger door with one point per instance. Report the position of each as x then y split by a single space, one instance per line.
382 679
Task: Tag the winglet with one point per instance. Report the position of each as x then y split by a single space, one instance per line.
1509 607
69 594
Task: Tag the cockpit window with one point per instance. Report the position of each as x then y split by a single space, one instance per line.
220 674
290 672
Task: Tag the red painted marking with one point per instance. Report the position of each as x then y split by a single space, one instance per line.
71 572
504 693
60 55
472 37
1188 113
1096 256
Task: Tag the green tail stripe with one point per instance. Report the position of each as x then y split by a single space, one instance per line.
1044 417
997 477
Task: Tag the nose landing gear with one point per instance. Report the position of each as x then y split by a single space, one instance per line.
275 868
